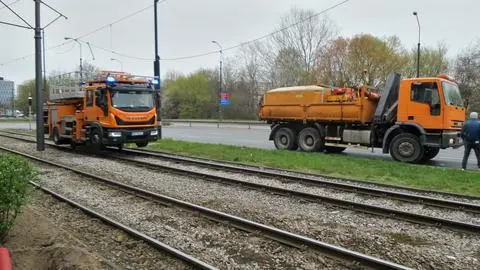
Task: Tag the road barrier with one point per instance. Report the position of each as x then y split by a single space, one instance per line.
190 122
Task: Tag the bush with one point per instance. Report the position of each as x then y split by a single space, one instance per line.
15 173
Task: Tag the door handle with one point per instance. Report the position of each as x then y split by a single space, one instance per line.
411 117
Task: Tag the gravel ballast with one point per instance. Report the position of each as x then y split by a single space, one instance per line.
118 250
417 246
212 242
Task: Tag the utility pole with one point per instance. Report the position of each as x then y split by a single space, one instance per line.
156 71
418 45
220 113
38 78
29 112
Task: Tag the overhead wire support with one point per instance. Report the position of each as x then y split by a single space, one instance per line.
16 14
16 25
39 31
11 4
87 34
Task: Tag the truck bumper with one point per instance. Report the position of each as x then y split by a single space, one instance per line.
451 139
119 136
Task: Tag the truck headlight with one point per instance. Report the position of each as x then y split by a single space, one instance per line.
115 134
154 133
451 141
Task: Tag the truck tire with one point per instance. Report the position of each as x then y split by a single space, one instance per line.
95 141
406 147
430 153
56 137
309 139
141 144
285 138
334 149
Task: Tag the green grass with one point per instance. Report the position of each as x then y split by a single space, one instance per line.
14 120
355 168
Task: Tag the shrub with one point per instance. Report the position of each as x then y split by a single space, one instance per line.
15 173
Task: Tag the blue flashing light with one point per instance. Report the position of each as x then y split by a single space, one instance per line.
110 79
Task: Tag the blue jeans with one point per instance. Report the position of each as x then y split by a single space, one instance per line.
469 145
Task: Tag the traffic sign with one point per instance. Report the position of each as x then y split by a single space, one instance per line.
224 99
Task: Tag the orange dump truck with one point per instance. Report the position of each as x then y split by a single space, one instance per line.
114 110
412 119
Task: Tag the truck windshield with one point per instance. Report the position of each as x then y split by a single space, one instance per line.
452 94
132 100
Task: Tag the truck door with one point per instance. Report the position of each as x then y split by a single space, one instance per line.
94 106
89 110
425 106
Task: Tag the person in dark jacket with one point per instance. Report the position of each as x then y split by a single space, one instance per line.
471 137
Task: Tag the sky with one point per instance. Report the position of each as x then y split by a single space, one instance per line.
187 27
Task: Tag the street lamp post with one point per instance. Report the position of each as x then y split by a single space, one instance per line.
418 45
121 64
81 56
221 81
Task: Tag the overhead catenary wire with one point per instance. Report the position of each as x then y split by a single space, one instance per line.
259 38
85 34
121 54
187 56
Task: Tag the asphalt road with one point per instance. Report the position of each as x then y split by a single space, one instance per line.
257 136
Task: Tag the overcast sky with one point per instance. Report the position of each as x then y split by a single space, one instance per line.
187 27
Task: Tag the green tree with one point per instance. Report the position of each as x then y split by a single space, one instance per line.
363 57
25 90
191 96
433 61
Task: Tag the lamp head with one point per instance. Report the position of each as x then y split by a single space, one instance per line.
415 13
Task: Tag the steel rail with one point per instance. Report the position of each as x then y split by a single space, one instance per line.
282 236
152 241
310 178
350 205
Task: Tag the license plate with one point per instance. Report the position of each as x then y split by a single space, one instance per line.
137 133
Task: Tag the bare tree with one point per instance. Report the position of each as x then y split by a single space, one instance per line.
299 44
467 73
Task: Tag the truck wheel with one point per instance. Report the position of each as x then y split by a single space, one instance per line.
405 147
309 139
95 141
141 144
334 149
430 153
56 136
284 138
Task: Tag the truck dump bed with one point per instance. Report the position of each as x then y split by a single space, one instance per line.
318 104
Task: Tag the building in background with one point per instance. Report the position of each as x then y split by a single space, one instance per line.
7 95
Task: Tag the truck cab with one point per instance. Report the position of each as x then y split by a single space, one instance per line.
431 109
107 112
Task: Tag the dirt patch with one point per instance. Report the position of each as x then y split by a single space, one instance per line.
36 243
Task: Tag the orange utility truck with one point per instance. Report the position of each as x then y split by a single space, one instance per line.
116 109
412 119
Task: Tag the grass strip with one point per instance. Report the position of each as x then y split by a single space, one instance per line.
336 165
